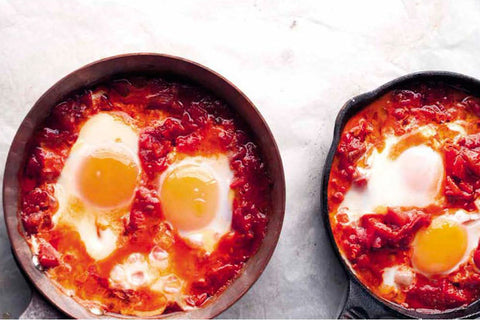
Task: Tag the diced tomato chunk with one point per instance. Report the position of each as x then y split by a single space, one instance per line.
47 255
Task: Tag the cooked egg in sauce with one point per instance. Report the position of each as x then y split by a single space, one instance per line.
447 243
197 199
98 181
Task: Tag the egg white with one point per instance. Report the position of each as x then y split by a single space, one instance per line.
149 271
217 166
457 126
389 182
396 277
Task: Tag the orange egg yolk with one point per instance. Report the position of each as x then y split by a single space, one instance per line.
439 247
107 181
189 197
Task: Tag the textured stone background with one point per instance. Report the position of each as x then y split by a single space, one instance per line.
298 61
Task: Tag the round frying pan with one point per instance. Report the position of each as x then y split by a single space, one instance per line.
149 64
360 302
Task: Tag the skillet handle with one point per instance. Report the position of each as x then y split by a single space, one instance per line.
360 304
39 308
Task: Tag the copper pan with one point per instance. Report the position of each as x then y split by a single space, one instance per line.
152 64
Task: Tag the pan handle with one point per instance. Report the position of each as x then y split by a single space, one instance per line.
360 304
39 308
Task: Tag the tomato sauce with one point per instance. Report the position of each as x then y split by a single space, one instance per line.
380 240
195 122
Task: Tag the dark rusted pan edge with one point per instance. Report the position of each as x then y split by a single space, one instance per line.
149 63
359 301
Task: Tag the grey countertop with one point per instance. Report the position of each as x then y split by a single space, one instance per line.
298 61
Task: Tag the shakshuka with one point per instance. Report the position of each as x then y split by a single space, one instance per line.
143 196
403 196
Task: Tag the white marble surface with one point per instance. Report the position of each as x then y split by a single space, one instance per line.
299 61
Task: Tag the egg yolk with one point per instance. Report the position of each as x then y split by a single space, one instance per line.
439 247
107 181
189 197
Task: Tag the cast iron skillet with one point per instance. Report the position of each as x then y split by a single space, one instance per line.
151 64
359 301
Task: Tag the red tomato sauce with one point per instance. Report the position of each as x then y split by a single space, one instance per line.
380 240
196 123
